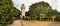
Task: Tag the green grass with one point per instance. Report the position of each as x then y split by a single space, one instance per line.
38 22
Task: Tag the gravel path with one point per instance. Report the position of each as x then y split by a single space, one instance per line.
27 23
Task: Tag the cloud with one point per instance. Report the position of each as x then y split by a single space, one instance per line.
58 5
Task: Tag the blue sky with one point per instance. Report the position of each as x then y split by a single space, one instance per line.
55 4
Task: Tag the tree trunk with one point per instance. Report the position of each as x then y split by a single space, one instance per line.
49 18
53 18
40 18
35 18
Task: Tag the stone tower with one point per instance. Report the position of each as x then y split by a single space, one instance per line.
22 11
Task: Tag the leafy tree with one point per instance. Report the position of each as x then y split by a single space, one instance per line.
57 16
16 13
38 8
7 11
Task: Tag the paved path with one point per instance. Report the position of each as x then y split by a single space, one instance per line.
27 23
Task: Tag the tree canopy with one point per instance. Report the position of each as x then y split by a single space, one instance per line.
38 8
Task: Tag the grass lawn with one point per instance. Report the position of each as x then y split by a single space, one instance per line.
41 22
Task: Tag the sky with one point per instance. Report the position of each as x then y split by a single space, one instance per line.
55 4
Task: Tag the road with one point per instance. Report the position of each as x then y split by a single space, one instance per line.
36 23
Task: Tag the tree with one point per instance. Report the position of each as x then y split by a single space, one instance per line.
51 13
38 8
57 15
16 13
7 11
